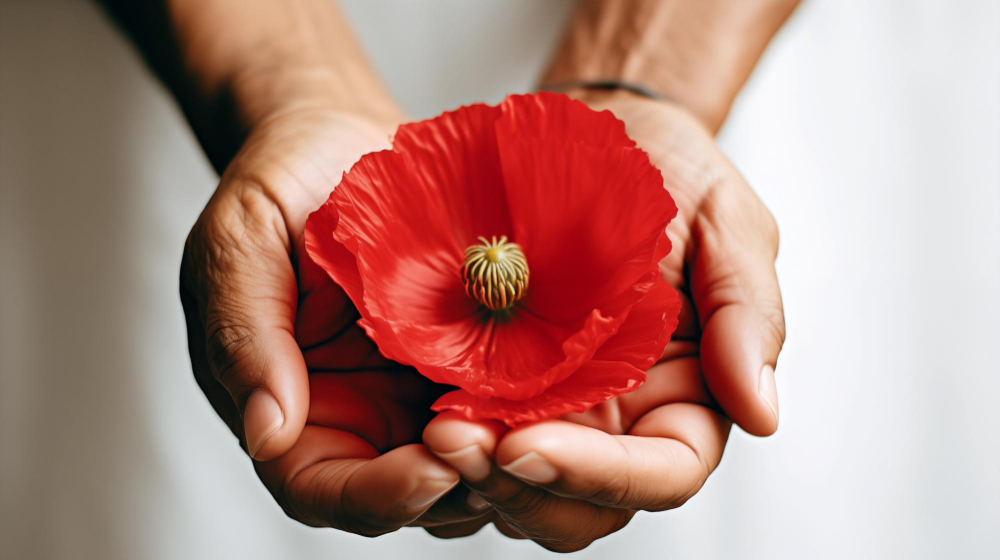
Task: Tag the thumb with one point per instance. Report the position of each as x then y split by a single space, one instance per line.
239 292
735 289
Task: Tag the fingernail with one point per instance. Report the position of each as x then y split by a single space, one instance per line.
768 391
262 417
476 501
532 467
428 492
472 462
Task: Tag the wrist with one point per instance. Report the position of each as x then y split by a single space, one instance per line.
238 63
697 54
250 99
633 107
261 94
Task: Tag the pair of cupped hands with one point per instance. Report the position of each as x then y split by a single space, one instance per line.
343 438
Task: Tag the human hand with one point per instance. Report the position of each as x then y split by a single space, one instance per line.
330 424
565 483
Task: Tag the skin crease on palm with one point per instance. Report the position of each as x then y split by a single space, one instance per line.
649 449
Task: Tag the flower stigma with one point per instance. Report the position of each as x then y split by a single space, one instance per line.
495 272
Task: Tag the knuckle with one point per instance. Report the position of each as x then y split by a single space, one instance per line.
774 324
347 515
309 497
229 237
540 522
694 484
729 215
229 347
223 242
682 498
618 489
294 515
672 490
614 495
291 503
526 504
601 523
232 232
296 501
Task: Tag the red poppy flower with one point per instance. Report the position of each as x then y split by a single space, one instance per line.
511 251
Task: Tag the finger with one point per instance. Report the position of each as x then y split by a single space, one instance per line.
238 271
735 289
554 522
377 407
505 529
460 505
332 478
460 529
677 378
664 460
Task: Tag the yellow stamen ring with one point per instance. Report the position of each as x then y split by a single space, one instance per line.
495 272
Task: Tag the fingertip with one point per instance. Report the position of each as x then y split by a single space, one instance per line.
541 454
464 444
733 356
542 437
428 465
335 478
760 416
767 392
262 418
432 477
532 468
451 431
276 409
397 487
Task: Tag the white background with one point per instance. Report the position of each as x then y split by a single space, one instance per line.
871 129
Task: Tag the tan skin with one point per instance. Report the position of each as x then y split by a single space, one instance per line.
343 438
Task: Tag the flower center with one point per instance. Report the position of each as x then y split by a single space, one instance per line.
495 272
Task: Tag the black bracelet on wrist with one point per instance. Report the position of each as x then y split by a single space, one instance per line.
638 89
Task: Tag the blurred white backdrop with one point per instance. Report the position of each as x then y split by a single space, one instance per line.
871 129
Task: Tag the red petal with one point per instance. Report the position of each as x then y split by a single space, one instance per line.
656 313
520 356
591 221
617 368
591 215
556 117
444 156
594 382
409 244
331 255
413 298
455 156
